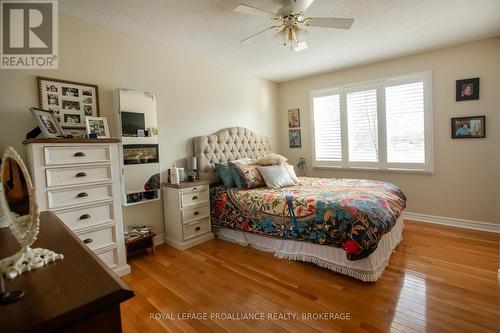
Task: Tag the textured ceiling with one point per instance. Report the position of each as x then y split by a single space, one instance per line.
382 29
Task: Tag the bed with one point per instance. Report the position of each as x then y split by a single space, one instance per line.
350 226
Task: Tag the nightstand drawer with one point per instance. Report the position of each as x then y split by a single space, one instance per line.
196 229
199 188
87 216
99 238
80 175
197 213
76 155
194 198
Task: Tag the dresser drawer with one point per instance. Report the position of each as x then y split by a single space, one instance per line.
196 229
188 215
99 238
194 198
75 155
79 175
199 188
87 216
110 257
79 195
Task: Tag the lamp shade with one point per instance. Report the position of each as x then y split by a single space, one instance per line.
191 163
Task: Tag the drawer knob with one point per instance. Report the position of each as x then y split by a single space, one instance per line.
81 174
195 197
79 154
197 229
82 195
87 240
194 188
84 217
196 213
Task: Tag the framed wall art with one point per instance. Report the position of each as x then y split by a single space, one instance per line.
468 127
293 118
70 101
294 139
467 89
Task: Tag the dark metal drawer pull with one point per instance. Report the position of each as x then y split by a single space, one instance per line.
79 154
87 240
196 213
84 217
197 229
194 188
81 174
82 195
195 197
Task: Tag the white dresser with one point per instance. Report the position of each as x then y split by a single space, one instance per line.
79 180
187 214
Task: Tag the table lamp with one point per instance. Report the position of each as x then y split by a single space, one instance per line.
191 166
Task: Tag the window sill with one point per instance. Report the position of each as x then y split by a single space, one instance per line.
375 170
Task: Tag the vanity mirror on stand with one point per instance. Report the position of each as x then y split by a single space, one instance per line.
19 207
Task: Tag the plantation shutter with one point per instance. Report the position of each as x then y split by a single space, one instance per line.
405 123
327 130
362 126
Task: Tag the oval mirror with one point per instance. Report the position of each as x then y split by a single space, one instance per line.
19 207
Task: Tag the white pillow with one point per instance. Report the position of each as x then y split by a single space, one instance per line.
275 176
245 160
272 159
291 173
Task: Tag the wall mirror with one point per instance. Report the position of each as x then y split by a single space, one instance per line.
20 210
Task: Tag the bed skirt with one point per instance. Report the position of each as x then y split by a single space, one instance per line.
368 269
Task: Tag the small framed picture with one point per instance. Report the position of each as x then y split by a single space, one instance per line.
294 140
141 133
468 127
467 89
47 122
98 126
293 118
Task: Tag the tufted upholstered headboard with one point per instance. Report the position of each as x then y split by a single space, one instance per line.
226 145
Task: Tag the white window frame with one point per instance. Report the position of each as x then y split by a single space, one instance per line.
382 164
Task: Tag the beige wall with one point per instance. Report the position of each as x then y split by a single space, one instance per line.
194 97
466 181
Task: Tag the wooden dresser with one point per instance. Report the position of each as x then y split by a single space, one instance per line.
76 294
79 180
187 214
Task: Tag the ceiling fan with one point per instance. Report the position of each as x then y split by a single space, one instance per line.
290 22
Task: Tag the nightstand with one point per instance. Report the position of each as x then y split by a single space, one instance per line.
187 214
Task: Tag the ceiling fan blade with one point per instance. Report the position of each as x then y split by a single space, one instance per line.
336 23
301 46
296 6
258 33
244 9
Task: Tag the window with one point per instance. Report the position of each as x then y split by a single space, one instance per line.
386 125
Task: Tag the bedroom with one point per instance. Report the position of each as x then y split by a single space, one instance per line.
443 276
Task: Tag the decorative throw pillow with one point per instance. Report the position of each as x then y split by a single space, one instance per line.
275 176
247 175
291 173
225 174
272 159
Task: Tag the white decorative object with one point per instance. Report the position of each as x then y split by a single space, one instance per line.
79 181
24 227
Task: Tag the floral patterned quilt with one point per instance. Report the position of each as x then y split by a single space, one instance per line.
350 213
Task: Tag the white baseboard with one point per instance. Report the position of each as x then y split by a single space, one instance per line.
159 239
453 222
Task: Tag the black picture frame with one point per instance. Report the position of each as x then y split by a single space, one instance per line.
471 122
294 138
467 89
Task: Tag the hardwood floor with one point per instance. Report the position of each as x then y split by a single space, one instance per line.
440 279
